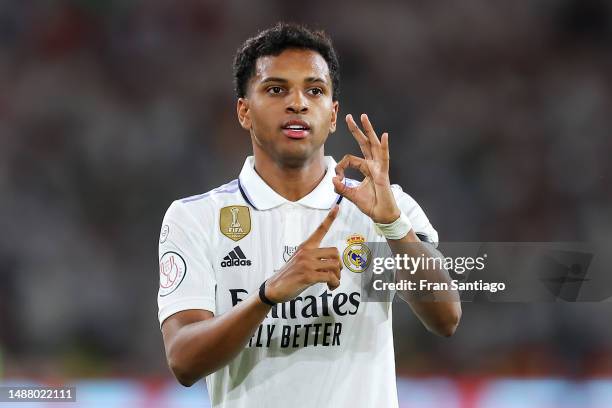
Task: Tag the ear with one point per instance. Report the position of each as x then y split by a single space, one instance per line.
334 117
242 110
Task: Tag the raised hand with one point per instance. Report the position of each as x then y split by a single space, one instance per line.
373 196
308 265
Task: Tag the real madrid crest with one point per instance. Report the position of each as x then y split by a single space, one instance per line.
235 222
357 255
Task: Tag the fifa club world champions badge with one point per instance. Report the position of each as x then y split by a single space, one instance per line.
235 222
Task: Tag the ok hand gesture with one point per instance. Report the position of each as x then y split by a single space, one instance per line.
373 196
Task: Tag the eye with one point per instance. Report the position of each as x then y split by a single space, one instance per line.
316 91
274 90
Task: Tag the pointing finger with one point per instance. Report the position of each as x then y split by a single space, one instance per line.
317 236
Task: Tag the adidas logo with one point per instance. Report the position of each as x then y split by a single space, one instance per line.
235 258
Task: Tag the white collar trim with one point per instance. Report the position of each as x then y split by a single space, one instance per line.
261 196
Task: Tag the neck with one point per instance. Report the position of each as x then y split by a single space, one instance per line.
291 182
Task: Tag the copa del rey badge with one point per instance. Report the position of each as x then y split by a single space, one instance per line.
235 222
172 271
357 255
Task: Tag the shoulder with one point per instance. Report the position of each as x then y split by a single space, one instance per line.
409 206
216 193
203 206
403 197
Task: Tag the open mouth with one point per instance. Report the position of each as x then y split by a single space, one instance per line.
296 129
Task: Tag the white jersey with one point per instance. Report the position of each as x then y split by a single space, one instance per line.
324 348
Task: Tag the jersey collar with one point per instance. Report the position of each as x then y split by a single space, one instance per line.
261 196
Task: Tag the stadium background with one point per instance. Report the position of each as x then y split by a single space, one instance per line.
500 125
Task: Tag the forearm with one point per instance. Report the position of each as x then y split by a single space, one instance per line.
203 347
439 310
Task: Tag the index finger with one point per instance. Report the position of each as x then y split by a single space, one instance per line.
314 240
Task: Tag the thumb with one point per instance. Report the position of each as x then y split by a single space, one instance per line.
342 189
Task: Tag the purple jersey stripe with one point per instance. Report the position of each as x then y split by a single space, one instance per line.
230 187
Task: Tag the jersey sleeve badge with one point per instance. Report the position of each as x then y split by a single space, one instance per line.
172 271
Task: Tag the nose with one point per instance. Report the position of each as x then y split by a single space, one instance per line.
297 103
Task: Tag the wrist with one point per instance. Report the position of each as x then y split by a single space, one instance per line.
389 217
396 229
263 296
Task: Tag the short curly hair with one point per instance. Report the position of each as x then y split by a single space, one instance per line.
274 41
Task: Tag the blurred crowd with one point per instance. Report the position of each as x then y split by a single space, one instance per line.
500 124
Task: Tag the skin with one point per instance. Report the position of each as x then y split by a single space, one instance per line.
439 311
296 85
303 90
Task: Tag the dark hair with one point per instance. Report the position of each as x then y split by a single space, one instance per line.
274 41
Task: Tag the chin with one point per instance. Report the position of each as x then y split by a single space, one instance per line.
295 157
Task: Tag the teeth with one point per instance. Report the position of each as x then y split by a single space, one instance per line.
296 127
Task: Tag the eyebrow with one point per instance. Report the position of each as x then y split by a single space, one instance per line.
284 81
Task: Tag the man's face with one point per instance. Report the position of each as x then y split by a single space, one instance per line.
288 108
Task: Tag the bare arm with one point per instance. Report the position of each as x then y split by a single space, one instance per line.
198 343
439 311
375 199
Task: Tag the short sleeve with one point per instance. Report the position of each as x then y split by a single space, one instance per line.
420 223
186 276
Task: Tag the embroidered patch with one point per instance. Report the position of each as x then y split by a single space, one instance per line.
235 222
357 255
172 271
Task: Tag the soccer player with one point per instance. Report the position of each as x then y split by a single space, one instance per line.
260 279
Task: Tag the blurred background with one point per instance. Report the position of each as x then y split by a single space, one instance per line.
500 122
